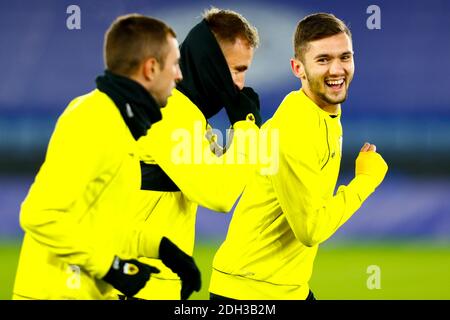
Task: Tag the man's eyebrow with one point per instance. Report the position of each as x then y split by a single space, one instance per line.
326 55
323 55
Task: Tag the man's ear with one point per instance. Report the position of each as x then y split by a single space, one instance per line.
150 69
298 69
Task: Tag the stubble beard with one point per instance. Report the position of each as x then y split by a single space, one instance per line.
318 88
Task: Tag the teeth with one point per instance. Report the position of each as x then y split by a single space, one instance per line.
335 82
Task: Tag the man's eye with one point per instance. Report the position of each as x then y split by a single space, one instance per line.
322 60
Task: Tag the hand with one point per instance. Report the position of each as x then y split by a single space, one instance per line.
183 265
370 163
129 276
368 147
245 107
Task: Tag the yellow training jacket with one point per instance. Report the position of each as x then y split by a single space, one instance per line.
178 144
77 215
281 218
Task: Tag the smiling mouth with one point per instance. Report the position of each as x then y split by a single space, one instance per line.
336 85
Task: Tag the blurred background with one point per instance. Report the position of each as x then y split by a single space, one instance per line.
399 100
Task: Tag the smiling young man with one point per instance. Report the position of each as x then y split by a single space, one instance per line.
282 217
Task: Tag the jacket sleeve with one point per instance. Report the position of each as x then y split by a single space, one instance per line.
298 185
50 213
142 240
178 144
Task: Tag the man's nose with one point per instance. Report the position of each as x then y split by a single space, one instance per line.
336 67
179 75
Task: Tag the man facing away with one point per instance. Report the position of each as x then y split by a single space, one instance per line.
180 171
79 242
282 217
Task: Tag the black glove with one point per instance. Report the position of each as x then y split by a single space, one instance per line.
246 102
181 264
129 276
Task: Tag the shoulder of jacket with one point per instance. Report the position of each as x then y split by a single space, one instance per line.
90 103
93 112
296 112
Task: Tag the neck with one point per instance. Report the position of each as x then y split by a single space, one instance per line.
330 108
138 79
136 105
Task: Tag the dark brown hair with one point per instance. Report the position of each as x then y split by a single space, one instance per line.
133 38
315 27
227 25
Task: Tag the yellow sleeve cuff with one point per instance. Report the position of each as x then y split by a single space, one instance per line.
100 263
363 186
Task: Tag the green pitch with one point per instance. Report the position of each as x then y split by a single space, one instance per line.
9 255
404 270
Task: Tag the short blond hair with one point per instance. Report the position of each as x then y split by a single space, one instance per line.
228 25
